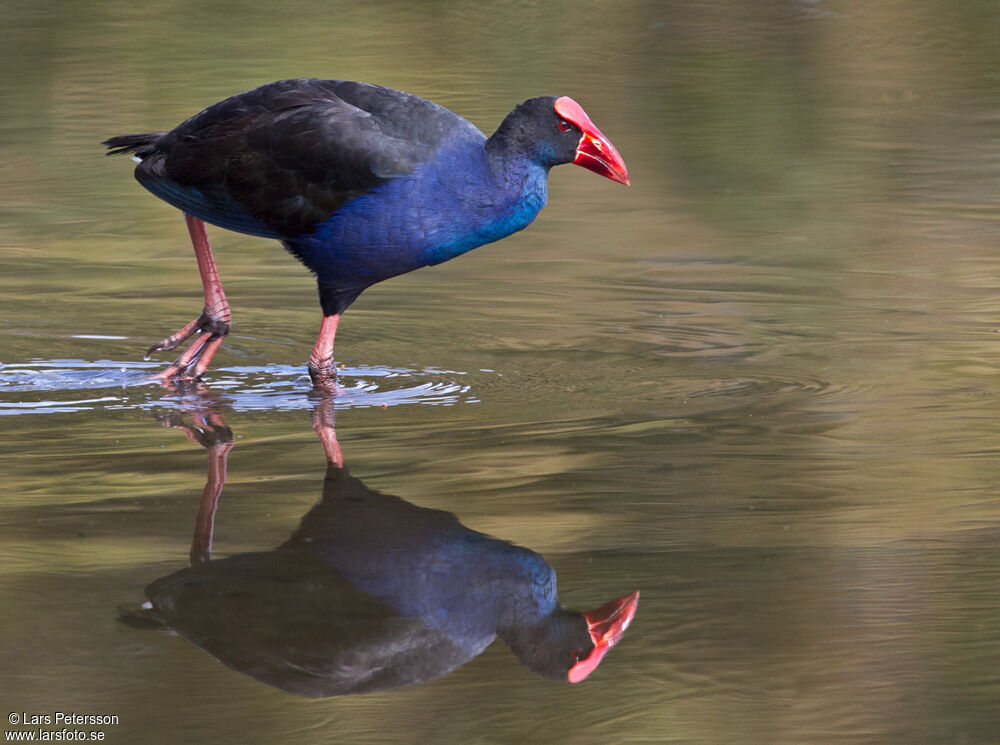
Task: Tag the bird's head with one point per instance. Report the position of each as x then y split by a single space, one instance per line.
557 130
592 150
605 625
569 646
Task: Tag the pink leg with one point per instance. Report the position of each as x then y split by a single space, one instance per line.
322 421
208 430
204 523
211 326
321 368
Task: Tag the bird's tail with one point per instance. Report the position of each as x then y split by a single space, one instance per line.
142 145
143 617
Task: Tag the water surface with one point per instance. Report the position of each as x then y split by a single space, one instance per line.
760 385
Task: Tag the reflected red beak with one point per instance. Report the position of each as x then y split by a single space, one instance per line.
594 151
606 624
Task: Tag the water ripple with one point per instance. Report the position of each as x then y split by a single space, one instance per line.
771 386
47 387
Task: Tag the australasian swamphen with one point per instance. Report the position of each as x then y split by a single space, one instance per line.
372 592
360 182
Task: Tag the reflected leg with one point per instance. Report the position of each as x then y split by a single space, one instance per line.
209 431
322 422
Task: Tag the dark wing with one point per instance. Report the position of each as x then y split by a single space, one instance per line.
289 620
280 159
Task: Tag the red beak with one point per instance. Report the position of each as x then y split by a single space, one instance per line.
606 625
594 151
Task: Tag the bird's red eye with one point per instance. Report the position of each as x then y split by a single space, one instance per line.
564 125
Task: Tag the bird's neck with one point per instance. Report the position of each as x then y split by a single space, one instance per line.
515 165
495 193
524 619
531 595
545 645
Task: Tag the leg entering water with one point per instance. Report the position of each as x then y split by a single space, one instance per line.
321 367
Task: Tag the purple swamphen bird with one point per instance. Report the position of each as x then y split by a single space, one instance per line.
369 592
373 592
360 182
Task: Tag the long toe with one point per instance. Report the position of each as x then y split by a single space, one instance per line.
192 364
175 339
216 323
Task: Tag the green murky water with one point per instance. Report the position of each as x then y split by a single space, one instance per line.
760 385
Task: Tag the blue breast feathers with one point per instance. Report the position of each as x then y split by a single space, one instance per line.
443 209
461 582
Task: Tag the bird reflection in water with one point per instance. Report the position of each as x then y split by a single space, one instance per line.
369 592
